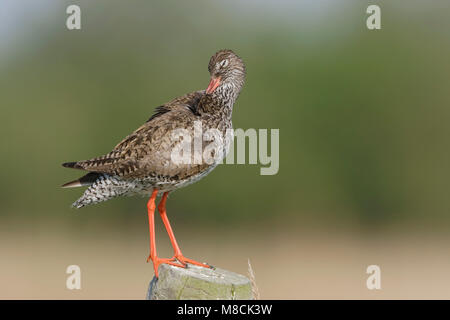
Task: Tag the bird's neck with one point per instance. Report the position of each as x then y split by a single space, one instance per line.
220 101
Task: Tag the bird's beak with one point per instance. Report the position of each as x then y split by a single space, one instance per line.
213 84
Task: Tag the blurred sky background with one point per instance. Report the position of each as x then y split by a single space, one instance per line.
364 149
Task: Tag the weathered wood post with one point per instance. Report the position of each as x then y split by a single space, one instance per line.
197 283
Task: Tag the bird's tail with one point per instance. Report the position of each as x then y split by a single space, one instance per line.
104 188
73 165
85 180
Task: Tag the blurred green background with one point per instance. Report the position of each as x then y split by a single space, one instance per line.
363 118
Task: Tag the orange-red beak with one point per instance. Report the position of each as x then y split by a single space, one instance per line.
213 84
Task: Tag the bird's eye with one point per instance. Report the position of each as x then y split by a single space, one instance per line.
223 63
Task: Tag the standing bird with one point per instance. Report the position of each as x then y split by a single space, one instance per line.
143 162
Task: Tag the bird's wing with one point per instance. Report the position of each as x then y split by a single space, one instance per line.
189 101
148 149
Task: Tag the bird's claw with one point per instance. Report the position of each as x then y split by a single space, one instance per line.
157 261
186 261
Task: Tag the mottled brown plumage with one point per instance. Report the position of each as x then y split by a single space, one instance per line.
142 161
145 150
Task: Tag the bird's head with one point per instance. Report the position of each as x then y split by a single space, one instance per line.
226 69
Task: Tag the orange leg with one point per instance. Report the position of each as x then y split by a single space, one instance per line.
151 224
177 252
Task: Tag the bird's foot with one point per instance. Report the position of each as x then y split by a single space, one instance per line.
157 261
185 261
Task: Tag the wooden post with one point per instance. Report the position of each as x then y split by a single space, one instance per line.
198 283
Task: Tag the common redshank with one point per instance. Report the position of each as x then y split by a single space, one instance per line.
142 163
